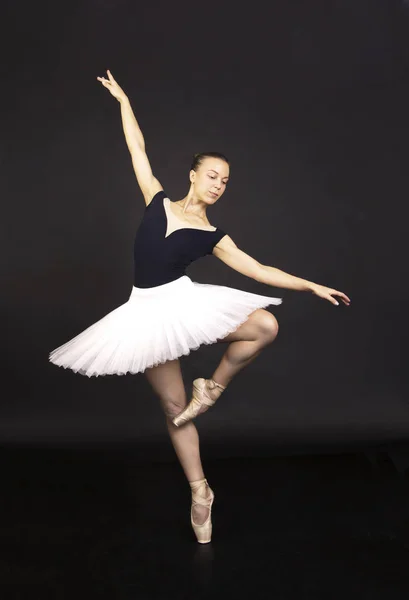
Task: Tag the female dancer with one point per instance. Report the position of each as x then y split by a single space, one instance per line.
168 315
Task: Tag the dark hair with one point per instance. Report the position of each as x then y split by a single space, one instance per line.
199 158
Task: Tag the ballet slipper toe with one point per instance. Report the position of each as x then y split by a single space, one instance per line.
203 532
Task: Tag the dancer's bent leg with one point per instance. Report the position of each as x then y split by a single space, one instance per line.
246 343
167 382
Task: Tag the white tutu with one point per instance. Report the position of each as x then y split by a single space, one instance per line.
158 324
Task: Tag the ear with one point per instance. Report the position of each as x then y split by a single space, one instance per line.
192 175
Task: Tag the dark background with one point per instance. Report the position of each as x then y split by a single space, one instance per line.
309 100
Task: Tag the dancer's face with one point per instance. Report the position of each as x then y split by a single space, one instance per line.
210 179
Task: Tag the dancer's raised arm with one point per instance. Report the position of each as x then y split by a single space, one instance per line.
135 141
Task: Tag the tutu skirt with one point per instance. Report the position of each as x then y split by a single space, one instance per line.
158 324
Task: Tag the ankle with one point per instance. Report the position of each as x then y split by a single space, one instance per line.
198 484
214 389
214 384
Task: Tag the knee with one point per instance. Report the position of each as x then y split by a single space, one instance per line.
268 326
172 406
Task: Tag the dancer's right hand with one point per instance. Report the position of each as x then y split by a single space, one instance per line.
113 87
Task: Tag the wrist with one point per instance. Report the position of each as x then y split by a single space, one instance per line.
123 99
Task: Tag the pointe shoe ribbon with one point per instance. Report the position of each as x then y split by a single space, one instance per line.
203 532
201 396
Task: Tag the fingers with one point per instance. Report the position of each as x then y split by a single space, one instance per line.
328 294
107 82
341 294
104 82
343 297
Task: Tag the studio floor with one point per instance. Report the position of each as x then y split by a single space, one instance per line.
101 524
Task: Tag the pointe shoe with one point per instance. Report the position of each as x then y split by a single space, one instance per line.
203 532
201 396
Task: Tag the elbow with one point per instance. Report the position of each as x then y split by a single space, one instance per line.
136 148
260 273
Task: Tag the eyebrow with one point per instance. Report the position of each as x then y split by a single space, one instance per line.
225 177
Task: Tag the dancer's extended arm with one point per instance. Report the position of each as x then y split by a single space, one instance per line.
135 141
227 251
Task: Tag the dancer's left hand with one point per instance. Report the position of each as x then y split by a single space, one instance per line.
328 293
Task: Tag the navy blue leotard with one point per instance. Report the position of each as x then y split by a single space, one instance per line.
159 259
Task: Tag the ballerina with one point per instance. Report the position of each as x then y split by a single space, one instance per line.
168 315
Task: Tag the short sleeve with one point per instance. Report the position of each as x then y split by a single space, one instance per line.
216 237
158 196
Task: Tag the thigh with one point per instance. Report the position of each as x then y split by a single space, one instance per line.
167 382
259 323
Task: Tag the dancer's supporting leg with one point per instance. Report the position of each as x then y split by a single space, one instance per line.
246 343
167 382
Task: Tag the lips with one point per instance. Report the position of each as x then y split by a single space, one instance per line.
214 195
